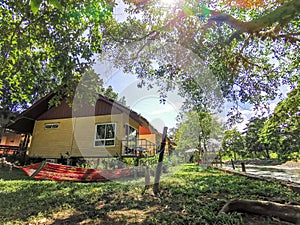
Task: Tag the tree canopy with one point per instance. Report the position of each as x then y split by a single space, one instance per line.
233 143
250 48
281 131
46 46
241 50
200 130
276 135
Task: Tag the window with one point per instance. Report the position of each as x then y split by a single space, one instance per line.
131 136
51 125
130 132
105 134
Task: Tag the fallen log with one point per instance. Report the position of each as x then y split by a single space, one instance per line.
289 213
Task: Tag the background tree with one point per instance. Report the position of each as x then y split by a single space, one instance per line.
233 144
281 131
187 134
88 89
199 130
254 145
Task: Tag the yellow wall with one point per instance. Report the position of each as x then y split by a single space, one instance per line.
77 136
84 136
50 143
149 137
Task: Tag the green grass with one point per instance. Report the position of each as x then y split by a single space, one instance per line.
191 196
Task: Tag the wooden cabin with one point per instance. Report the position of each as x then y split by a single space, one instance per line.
10 142
156 137
107 129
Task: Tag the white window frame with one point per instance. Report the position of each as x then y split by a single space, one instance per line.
105 139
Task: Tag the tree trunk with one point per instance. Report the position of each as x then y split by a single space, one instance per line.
289 213
232 164
160 162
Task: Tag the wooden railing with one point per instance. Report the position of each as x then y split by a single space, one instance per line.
138 147
9 150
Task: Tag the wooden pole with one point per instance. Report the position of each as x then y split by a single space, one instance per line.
243 167
159 163
147 178
233 167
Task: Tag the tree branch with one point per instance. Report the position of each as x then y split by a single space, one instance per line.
281 15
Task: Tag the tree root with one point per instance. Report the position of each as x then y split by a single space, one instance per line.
289 213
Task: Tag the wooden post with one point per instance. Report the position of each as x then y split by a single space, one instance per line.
233 167
159 163
243 167
147 178
137 161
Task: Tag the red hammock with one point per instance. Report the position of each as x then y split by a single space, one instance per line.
58 172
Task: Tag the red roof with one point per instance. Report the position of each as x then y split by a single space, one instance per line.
144 130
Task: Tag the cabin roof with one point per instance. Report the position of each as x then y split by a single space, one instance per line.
41 110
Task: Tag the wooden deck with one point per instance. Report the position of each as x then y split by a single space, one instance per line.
138 148
9 150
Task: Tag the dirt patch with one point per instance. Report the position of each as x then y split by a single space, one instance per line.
250 219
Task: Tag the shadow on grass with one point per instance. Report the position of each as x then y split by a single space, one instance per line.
188 198
14 174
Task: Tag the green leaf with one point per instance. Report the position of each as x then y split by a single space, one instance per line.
55 3
35 4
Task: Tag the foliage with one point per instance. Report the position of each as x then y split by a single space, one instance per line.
254 145
249 52
276 135
233 144
281 131
209 51
198 130
188 197
46 45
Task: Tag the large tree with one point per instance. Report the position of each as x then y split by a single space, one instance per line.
46 46
281 131
250 48
243 51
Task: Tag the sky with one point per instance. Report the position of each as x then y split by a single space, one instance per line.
143 101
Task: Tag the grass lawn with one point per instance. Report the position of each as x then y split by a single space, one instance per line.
191 196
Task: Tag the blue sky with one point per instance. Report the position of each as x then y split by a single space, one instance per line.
143 101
